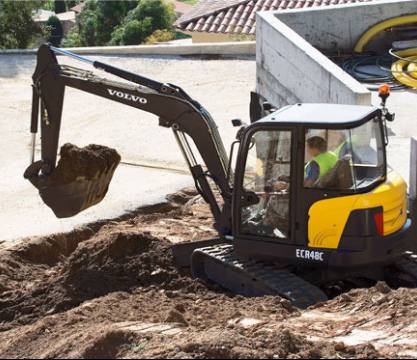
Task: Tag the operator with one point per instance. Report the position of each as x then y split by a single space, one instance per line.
322 161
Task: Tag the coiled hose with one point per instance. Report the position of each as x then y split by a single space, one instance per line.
404 70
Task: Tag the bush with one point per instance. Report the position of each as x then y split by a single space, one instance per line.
97 21
122 23
110 14
141 22
72 39
160 36
17 28
56 31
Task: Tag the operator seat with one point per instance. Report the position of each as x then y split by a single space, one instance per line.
340 177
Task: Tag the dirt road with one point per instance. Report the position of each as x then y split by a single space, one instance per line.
111 289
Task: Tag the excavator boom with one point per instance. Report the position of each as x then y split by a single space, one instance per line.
174 108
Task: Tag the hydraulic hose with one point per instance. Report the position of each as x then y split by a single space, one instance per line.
372 70
376 29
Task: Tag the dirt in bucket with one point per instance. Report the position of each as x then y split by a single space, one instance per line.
86 162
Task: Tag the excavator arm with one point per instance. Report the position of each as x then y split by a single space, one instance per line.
174 108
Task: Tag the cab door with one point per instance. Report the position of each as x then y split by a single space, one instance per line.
263 201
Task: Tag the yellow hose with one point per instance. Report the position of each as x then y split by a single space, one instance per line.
398 70
407 52
412 70
373 31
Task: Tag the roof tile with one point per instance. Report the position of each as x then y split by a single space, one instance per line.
239 16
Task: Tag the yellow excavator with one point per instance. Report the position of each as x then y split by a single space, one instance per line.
311 203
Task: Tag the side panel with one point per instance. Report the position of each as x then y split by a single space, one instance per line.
328 218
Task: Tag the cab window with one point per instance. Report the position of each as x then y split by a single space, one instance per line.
346 159
268 176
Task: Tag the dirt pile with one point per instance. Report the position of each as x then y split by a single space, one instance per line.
87 162
111 260
111 290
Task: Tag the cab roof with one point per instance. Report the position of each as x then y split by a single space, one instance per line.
325 115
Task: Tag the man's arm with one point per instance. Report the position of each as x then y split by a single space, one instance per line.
312 174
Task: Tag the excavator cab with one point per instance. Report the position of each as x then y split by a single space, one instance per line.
312 185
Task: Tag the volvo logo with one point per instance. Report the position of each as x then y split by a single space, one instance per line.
126 96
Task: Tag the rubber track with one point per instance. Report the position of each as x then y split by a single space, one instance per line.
277 281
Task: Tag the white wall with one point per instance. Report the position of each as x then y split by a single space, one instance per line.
290 70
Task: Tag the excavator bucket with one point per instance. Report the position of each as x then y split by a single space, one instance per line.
80 180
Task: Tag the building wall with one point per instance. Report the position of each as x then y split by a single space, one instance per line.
336 28
291 69
206 37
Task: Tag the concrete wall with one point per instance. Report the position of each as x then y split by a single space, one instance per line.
291 69
238 48
336 28
206 37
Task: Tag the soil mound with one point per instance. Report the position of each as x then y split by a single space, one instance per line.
111 289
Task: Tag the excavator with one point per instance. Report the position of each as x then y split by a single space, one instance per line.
278 234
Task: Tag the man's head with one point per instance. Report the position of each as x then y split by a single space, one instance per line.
316 145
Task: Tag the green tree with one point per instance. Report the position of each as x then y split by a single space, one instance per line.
71 3
17 27
135 30
109 15
97 21
56 30
143 21
161 14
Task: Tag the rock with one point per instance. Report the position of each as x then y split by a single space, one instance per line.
174 316
383 288
287 305
340 346
183 196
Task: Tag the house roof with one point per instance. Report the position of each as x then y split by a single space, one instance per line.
239 16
